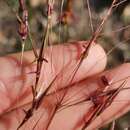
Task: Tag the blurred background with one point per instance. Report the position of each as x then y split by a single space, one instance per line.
77 21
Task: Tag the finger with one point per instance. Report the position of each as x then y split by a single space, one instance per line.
65 64
121 103
73 117
63 61
16 81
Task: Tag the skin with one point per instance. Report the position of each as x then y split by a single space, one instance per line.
15 88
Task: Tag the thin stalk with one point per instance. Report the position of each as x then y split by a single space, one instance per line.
22 53
90 16
36 99
113 125
94 37
99 108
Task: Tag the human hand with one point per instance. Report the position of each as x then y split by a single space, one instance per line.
16 95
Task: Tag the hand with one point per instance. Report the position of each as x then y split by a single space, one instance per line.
16 95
